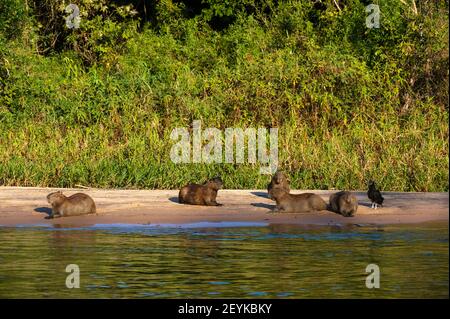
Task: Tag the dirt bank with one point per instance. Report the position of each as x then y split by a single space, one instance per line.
28 206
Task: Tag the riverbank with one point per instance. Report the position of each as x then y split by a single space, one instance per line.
28 206
93 108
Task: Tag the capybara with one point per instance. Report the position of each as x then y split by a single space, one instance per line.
195 194
77 204
279 180
344 203
297 203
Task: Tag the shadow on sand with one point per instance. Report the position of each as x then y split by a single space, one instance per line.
174 200
260 194
262 205
44 210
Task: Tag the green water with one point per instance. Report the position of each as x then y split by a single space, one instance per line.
273 261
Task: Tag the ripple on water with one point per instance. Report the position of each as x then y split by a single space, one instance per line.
214 259
219 282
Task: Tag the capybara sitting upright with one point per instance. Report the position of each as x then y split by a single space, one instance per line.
77 204
279 180
344 203
195 194
297 203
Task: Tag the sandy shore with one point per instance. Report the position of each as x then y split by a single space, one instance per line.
28 206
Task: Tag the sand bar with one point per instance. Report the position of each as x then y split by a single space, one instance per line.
28 206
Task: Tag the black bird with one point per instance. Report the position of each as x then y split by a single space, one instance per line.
374 195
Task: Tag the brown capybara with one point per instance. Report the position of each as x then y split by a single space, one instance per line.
344 203
195 194
297 203
279 180
77 204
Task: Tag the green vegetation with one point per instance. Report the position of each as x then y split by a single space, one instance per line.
96 105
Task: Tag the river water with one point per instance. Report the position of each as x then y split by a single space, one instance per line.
217 260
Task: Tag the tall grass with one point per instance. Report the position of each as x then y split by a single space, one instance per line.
351 103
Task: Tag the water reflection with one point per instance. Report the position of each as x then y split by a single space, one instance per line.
274 261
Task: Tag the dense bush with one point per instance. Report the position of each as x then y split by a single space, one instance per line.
96 105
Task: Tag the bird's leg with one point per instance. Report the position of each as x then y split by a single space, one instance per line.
376 206
371 205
